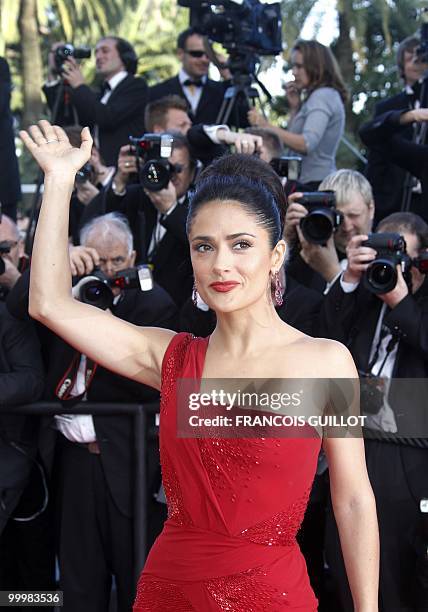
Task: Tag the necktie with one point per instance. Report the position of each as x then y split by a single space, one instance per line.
105 88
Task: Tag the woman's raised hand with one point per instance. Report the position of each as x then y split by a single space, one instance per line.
50 147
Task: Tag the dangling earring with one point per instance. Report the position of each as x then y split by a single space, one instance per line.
194 294
279 290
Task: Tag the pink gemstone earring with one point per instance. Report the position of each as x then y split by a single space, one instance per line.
279 290
194 294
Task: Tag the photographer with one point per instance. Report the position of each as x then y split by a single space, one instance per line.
12 258
10 186
315 130
90 181
157 218
386 134
387 178
316 265
169 114
94 464
114 113
203 96
387 336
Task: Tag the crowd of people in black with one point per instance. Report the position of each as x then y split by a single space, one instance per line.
66 482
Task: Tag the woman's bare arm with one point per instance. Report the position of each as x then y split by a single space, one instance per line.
124 348
353 501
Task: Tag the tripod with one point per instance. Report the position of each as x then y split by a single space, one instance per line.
63 112
242 65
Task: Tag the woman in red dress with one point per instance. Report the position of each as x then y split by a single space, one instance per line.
235 505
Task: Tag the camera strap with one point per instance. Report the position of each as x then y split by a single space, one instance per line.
68 380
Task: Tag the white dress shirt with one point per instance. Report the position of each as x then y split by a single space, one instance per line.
193 94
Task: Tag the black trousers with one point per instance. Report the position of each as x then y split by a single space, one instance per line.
95 540
399 477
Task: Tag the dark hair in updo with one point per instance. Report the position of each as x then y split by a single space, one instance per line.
247 180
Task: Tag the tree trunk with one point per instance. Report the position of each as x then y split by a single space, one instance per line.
31 61
343 51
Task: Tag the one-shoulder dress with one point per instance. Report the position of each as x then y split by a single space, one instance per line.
234 508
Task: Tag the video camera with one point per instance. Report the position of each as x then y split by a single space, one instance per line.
287 166
66 51
154 150
238 23
322 219
96 288
391 248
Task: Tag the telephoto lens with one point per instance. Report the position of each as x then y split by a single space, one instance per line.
381 275
322 218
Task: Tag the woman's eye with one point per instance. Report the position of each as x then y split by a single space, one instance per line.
242 244
202 248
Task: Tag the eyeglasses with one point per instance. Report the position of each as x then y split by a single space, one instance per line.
195 53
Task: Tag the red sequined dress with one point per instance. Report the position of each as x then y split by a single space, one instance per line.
234 508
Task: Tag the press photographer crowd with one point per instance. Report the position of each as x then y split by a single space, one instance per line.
355 272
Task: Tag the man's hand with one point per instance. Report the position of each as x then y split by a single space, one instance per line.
394 297
243 143
86 192
417 114
295 212
164 199
72 73
10 275
322 259
126 165
82 260
359 257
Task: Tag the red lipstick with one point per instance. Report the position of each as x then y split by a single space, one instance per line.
224 287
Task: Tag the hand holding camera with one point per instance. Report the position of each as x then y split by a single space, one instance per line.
164 199
126 166
83 260
359 257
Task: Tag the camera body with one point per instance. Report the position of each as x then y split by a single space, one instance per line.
4 249
96 289
66 51
153 150
287 166
84 174
239 23
322 219
381 275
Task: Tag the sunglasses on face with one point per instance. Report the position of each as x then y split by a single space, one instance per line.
195 53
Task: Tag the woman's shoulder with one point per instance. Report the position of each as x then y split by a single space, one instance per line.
326 95
322 357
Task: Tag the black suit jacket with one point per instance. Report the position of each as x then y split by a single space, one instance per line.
10 186
172 268
386 178
121 117
115 433
209 104
351 318
21 381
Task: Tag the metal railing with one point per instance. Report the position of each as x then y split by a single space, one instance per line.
141 434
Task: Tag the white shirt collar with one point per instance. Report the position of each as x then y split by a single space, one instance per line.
183 76
116 79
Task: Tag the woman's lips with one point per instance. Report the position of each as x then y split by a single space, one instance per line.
224 287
